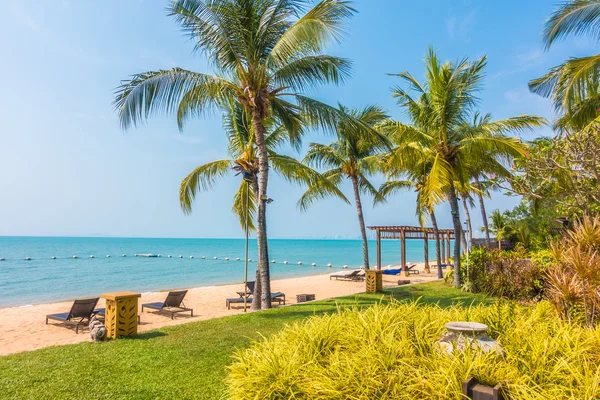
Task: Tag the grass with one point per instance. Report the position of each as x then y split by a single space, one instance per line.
180 362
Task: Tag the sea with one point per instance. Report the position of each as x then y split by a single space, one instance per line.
36 270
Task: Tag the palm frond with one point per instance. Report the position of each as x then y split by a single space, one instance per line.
437 181
390 188
245 206
310 71
574 17
162 91
319 192
323 156
202 178
289 116
570 84
367 187
215 27
312 32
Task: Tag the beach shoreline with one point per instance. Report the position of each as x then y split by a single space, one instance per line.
23 328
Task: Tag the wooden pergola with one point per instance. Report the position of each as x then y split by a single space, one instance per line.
413 232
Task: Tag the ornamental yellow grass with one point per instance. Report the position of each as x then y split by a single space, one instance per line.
388 352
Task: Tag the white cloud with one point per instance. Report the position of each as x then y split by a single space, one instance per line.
524 61
459 27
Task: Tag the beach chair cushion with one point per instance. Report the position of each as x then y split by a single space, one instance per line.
156 306
60 316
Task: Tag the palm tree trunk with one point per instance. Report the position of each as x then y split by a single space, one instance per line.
483 214
463 241
256 296
261 225
438 254
453 199
468 221
361 222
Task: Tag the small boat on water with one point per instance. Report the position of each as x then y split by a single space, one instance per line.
147 255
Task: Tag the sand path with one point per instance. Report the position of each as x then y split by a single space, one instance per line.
24 328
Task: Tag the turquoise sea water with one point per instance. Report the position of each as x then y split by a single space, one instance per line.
43 279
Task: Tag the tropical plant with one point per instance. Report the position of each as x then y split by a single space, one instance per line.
440 117
574 279
414 175
243 160
561 175
499 226
395 349
265 53
354 155
573 85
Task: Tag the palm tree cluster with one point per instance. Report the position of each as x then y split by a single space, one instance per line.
266 54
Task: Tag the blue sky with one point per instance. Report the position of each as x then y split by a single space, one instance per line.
66 168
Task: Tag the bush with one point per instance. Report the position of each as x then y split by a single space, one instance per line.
513 277
574 280
388 352
503 274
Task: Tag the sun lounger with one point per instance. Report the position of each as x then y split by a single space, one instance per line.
352 276
80 314
172 305
410 269
279 297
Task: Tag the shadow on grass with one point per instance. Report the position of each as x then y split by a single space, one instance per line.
145 336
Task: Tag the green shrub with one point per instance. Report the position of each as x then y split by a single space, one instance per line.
544 258
513 277
506 274
389 352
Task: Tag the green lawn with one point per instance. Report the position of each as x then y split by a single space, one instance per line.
181 362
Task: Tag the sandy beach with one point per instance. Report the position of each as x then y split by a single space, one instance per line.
24 328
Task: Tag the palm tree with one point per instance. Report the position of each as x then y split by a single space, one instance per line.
409 161
499 226
244 160
440 117
354 155
573 85
265 54
393 185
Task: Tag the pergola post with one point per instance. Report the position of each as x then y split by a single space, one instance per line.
403 252
378 250
448 247
443 244
427 270
413 232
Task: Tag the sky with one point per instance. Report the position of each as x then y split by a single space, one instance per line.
67 169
